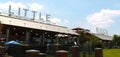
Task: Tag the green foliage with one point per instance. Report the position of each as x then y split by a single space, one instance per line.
83 38
116 40
91 39
97 44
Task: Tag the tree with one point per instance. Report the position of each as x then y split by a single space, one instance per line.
82 38
86 39
116 40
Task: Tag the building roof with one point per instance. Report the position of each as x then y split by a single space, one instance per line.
104 37
77 28
28 23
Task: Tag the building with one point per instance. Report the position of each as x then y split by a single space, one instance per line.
78 30
28 30
104 37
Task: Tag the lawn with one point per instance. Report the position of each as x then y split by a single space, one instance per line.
106 53
111 52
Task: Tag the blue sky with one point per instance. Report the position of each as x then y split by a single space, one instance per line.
87 14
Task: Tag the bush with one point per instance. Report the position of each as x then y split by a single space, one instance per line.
97 44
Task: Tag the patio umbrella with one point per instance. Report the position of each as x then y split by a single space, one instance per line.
12 42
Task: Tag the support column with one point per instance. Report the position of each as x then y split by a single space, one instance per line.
0 32
28 36
57 38
68 38
7 34
43 42
78 41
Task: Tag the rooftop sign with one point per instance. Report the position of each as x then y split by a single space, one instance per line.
47 18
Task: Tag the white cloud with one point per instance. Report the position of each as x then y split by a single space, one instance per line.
15 6
35 6
59 21
55 20
66 21
104 18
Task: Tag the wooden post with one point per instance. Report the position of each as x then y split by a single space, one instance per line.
61 53
32 53
75 51
42 54
56 47
98 52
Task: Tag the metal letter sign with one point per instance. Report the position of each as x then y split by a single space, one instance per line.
47 17
25 14
19 11
25 10
33 14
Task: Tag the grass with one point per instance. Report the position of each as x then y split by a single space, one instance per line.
106 53
111 53
49 55
70 55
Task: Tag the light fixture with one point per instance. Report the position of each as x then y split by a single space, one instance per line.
36 34
16 33
23 32
14 28
45 32
31 31
48 35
